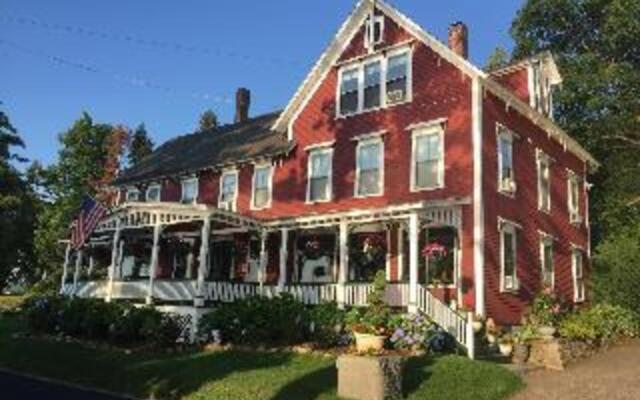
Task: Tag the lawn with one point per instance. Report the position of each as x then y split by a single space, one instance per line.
9 303
235 375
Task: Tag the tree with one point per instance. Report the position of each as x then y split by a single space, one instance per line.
208 121
17 210
597 48
498 59
140 146
88 160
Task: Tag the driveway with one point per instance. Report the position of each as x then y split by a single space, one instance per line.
14 387
611 375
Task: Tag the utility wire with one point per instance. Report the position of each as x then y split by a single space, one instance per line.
133 81
162 44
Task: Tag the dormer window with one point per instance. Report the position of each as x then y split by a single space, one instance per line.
133 194
374 32
228 190
153 193
189 190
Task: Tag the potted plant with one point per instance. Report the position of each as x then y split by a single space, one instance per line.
478 323
521 341
370 326
492 331
505 344
546 310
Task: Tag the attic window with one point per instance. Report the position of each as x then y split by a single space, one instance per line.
374 32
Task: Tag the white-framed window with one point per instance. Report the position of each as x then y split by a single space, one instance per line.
577 264
189 191
374 32
544 181
508 257
546 260
573 198
427 158
262 186
319 175
228 190
535 85
153 193
506 175
376 82
133 194
369 167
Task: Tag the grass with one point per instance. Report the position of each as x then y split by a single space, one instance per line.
10 303
233 374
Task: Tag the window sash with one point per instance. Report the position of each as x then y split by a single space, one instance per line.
369 160
228 190
153 194
133 195
574 196
319 188
349 88
428 156
372 85
578 275
261 186
319 180
506 161
397 76
547 263
509 263
189 191
544 185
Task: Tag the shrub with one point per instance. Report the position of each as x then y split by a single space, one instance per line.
411 331
374 319
600 323
326 324
257 320
547 308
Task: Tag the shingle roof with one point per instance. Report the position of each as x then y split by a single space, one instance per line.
232 143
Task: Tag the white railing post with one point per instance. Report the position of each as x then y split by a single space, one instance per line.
153 268
414 229
65 268
343 241
471 337
202 268
91 266
76 272
263 261
114 261
284 255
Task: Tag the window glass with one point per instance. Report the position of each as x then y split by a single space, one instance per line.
369 157
133 194
427 161
397 72
543 185
349 92
372 86
261 195
509 259
547 262
574 197
228 192
189 190
506 164
319 176
578 277
153 193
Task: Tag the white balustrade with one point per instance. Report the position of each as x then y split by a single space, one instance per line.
168 290
130 290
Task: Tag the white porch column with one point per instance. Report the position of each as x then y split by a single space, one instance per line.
263 260
65 267
114 261
284 255
204 257
414 230
76 272
343 240
91 266
153 268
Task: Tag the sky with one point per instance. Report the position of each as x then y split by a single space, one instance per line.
164 62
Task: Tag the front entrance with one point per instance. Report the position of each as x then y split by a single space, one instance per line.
221 260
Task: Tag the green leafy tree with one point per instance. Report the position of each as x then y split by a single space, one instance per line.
597 47
208 121
17 210
498 59
140 146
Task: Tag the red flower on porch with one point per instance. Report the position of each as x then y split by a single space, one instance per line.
372 243
435 250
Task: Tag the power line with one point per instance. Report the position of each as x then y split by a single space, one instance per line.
134 81
162 44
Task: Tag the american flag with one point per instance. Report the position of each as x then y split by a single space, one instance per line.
90 214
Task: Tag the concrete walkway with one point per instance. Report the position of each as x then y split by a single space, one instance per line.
611 375
16 387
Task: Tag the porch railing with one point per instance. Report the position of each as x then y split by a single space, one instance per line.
356 294
167 290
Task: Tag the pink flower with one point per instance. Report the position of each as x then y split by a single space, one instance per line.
435 250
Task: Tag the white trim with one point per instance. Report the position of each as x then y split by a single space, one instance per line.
478 200
578 280
504 221
507 187
151 187
574 213
366 136
542 159
427 124
130 191
430 130
512 230
235 194
322 145
546 239
189 180
321 150
370 33
400 255
356 187
257 167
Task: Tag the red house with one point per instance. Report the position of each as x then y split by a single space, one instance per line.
395 153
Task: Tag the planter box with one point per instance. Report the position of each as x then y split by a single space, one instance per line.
370 378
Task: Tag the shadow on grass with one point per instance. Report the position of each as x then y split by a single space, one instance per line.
416 372
310 386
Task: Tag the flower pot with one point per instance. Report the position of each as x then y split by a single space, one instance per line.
366 342
520 353
505 349
477 326
546 332
491 338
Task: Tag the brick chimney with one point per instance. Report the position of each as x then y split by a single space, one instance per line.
459 39
243 101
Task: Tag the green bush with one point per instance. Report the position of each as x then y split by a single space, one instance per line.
257 320
602 322
617 269
118 323
327 323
